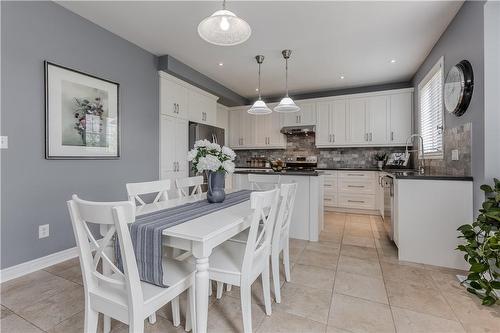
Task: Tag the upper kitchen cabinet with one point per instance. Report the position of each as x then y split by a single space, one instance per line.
241 128
181 100
306 115
331 123
400 117
376 120
202 107
267 131
173 97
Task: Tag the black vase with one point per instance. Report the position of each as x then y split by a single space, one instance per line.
216 185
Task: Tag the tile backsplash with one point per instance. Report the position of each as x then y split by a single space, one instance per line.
327 157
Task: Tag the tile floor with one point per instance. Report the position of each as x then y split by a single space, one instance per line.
350 281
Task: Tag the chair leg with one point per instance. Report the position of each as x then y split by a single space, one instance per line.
220 289
210 288
228 287
91 320
152 318
246 307
286 262
176 312
136 325
106 324
190 311
266 289
275 265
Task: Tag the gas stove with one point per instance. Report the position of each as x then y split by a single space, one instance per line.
301 163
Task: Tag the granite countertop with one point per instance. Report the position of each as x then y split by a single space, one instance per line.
351 169
428 176
284 172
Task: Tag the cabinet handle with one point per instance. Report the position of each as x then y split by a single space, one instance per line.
327 199
371 134
300 119
333 137
355 174
366 136
327 185
358 186
176 108
392 136
357 201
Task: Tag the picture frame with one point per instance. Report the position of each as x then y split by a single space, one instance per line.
81 115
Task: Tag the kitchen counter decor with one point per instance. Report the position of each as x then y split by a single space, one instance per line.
210 157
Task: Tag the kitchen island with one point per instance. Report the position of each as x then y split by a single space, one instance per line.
307 218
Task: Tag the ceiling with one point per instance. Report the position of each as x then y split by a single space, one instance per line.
328 39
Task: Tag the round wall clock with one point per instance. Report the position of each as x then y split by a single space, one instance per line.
458 88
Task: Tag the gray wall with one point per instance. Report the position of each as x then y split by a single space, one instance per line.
35 190
463 39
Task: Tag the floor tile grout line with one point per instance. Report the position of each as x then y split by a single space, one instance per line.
336 270
385 285
452 310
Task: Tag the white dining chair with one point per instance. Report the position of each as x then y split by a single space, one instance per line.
161 188
280 240
263 182
183 185
135 190
240 264
121 294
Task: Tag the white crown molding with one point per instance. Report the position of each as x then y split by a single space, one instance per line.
31 266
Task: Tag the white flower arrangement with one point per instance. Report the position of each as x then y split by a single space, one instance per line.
209 156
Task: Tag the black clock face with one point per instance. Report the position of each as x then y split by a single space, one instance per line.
458 88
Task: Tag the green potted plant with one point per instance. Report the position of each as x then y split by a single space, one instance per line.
482 248
380 158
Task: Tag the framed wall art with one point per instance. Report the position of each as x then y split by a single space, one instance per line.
81 115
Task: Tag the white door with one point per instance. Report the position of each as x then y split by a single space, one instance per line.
167 145
338 122
234 129
173 98
357 121
307 113
376 117
400 118
323 134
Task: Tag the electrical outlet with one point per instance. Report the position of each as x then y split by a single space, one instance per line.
454 155
4 142
43 231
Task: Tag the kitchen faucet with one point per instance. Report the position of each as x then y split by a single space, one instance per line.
421 161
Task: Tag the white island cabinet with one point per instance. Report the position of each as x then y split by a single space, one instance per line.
307 218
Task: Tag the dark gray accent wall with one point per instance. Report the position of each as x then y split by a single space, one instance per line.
464 39
34 190
173 66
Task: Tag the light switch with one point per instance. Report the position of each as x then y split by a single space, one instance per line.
454 155
4 142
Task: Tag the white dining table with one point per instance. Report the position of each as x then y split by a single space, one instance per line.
200 236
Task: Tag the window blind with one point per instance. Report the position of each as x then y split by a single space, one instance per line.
431 112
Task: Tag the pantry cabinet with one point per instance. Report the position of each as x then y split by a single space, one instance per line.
173 148
173 98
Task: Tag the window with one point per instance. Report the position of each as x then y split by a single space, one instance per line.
430 95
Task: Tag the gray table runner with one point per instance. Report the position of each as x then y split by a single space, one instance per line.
146 232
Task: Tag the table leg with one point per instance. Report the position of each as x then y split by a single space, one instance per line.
201 290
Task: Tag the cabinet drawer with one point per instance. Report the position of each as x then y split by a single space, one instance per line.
329 173
330 200
330 183
357 174
360 201
366 186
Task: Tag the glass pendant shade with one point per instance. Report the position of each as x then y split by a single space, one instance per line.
286 105
259 108
224 28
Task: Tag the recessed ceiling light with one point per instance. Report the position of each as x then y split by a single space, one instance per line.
393 61
256 89
221 64
342 77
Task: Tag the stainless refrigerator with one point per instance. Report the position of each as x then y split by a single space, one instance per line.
199 131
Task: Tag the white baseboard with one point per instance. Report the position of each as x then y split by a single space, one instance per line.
16 271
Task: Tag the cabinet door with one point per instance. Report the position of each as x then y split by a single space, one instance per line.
180 137
307 113
167 144
275 138
202 109
400 118
338 124
291 119
247 129
262 130
376 119
323 134
357 121
234 128
174 98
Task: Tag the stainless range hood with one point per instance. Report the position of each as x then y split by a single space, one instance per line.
298 130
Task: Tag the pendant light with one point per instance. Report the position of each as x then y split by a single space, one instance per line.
286 104
224 28
259 107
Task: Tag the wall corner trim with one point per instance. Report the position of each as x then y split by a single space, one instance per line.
31 266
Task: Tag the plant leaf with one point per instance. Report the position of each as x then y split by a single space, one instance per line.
486 188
